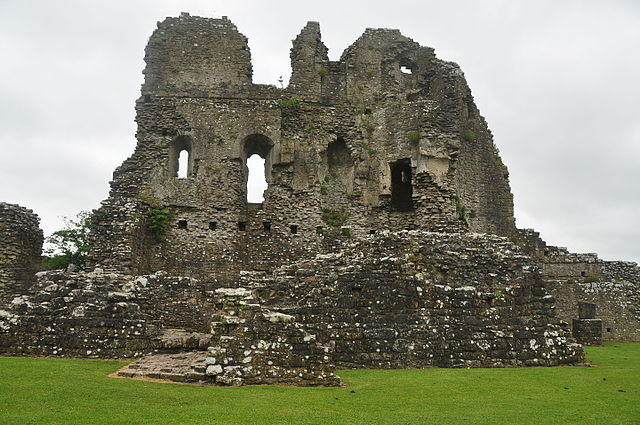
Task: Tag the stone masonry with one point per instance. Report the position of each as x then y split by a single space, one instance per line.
386 238
20 250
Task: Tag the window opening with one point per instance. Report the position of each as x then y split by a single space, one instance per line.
182 224
266 225
213 225
294 229
180 159
242 226
372 232
401 186
257 181
183 164
608 329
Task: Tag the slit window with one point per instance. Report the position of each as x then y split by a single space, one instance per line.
266 226
294 229
401 186
213 225
182 224
242 226
183 164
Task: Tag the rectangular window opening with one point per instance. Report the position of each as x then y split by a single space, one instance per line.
266 225
242 226
213 225
294 229
182 224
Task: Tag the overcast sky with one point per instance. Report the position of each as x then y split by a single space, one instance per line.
557 81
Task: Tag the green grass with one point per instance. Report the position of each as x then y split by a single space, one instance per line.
67 391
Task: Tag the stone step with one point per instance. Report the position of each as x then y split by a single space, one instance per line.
185 367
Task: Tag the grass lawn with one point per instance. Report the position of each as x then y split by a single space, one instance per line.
66 391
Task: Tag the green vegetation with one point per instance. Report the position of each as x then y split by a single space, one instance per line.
414 136
335 218
324 189
157 222
591 279
69 245
469 136
66 391
289 105
461 209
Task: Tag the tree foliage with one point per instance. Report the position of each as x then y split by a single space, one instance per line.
69 245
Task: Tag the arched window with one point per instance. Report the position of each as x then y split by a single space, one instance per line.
257 162
180 157
183 164
401 185
256 179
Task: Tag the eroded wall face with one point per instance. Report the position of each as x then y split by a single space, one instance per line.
330 141
20 250
612 287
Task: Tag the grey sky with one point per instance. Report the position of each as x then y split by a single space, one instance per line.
557 81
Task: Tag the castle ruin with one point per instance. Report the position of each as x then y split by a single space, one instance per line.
386 237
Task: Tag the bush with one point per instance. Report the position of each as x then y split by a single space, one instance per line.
69 245
157 222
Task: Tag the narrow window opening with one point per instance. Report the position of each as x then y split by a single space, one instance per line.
546 253
182 224
294 229
213 225
401 186
583 273
147 98
256 181
608 329
372 232
180 159
367 111
266 225
242 226
183 164
405 70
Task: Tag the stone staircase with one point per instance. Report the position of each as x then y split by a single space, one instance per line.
180 357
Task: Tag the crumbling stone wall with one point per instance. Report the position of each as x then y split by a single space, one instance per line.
105 315
392 300
612 286
20 250
351 147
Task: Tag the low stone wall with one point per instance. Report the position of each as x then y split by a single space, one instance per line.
408 299
420 299
612 286
20 249
102 314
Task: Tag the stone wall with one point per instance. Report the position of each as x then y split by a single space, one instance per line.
393 300
388 300
351 147
613 286
20 250
104 315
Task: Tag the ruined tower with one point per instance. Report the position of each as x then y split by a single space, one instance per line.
386 138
